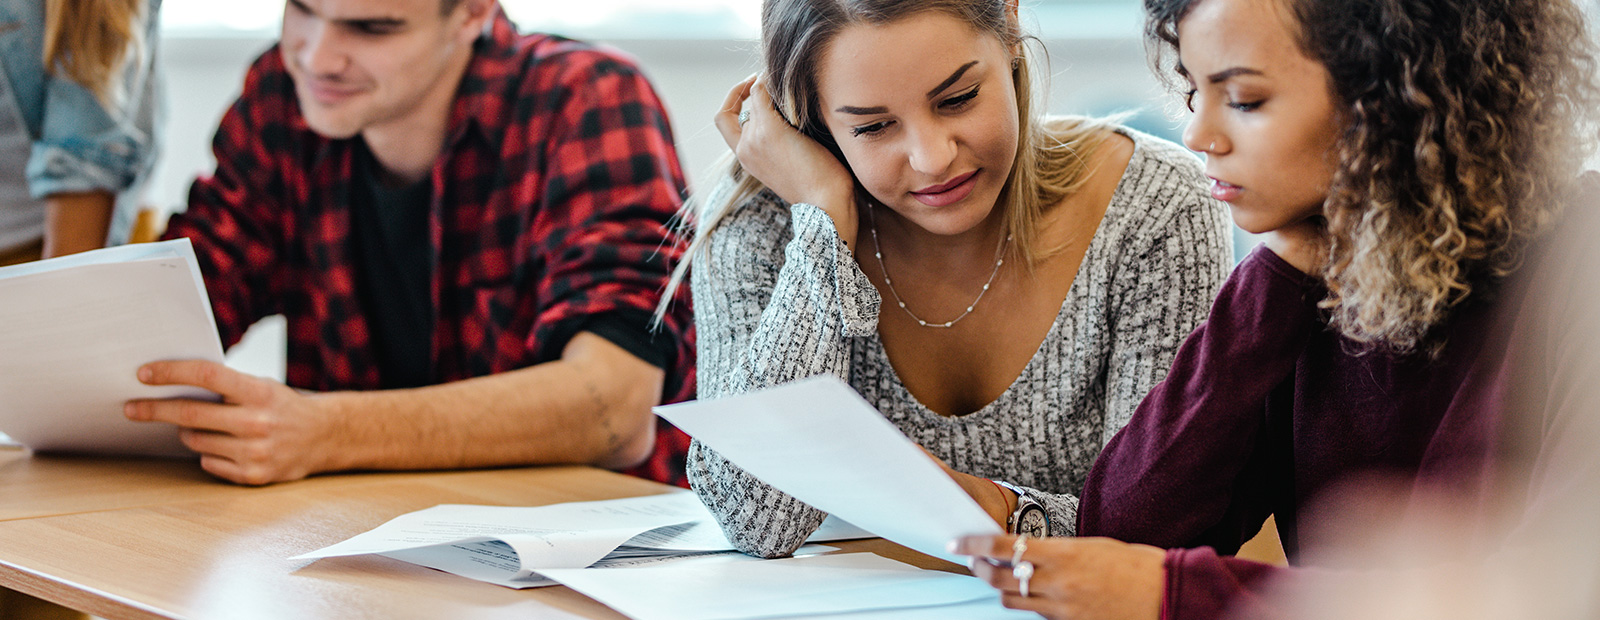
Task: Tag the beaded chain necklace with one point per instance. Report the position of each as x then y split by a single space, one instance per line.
877 251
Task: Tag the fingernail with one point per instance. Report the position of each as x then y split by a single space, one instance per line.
145 374
129 411
954 546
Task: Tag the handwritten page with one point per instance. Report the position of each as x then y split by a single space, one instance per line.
74 331
817 440
737 587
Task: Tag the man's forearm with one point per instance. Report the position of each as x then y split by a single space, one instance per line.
592 406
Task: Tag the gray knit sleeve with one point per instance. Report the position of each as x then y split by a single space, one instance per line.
771 306
1183 257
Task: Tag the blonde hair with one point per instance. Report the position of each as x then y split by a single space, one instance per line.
1052 155
90 42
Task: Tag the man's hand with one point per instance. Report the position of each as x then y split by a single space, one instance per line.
262 431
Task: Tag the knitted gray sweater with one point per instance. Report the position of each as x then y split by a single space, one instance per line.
779 297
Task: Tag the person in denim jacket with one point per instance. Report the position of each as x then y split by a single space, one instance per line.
77 132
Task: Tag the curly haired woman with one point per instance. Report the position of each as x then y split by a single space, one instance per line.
1407 162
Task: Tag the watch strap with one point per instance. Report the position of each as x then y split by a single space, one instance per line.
1025 501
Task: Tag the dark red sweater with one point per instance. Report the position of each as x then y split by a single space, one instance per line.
1265 408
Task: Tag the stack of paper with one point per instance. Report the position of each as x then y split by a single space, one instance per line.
513 546
75 330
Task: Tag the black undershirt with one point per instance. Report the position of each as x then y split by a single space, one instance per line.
394 263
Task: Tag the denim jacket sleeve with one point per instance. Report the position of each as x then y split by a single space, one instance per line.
79 144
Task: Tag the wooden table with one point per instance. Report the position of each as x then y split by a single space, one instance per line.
132 538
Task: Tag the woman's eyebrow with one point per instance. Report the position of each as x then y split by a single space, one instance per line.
962 70
1229 73
950 80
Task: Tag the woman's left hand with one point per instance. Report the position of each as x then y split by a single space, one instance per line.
1077 578
993 499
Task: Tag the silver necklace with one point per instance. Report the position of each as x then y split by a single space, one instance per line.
877 251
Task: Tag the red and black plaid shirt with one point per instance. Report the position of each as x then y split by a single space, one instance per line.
549 206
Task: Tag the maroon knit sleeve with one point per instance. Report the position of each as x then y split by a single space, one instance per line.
1188 470
1202 585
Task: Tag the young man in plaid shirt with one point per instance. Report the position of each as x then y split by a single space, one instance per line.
466 229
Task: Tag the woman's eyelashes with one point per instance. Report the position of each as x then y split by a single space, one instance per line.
869 130
960 101
953 104
1233 102
1246 106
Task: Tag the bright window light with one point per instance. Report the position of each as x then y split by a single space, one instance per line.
639 19
635 18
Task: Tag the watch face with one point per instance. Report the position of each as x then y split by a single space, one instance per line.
1033 522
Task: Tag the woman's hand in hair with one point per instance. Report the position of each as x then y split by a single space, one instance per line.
1303 244
795 167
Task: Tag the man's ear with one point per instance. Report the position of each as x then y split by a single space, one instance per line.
479 13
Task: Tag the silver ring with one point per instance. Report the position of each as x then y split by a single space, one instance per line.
1023 571
744 117
1018 547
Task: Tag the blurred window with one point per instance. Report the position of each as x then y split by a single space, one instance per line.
641 19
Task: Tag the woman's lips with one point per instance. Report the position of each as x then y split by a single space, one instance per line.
1225 191
948 193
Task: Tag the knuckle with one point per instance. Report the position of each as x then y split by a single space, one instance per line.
258 424
256 452
187 413
259 391
254 475
207 373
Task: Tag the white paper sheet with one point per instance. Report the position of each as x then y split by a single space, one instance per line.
509 546
564 535
983 609
496 562
73 332
728 588
817 440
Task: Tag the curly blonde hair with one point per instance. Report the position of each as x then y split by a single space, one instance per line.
1467 122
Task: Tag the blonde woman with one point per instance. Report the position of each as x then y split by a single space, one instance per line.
1004 288
77 119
